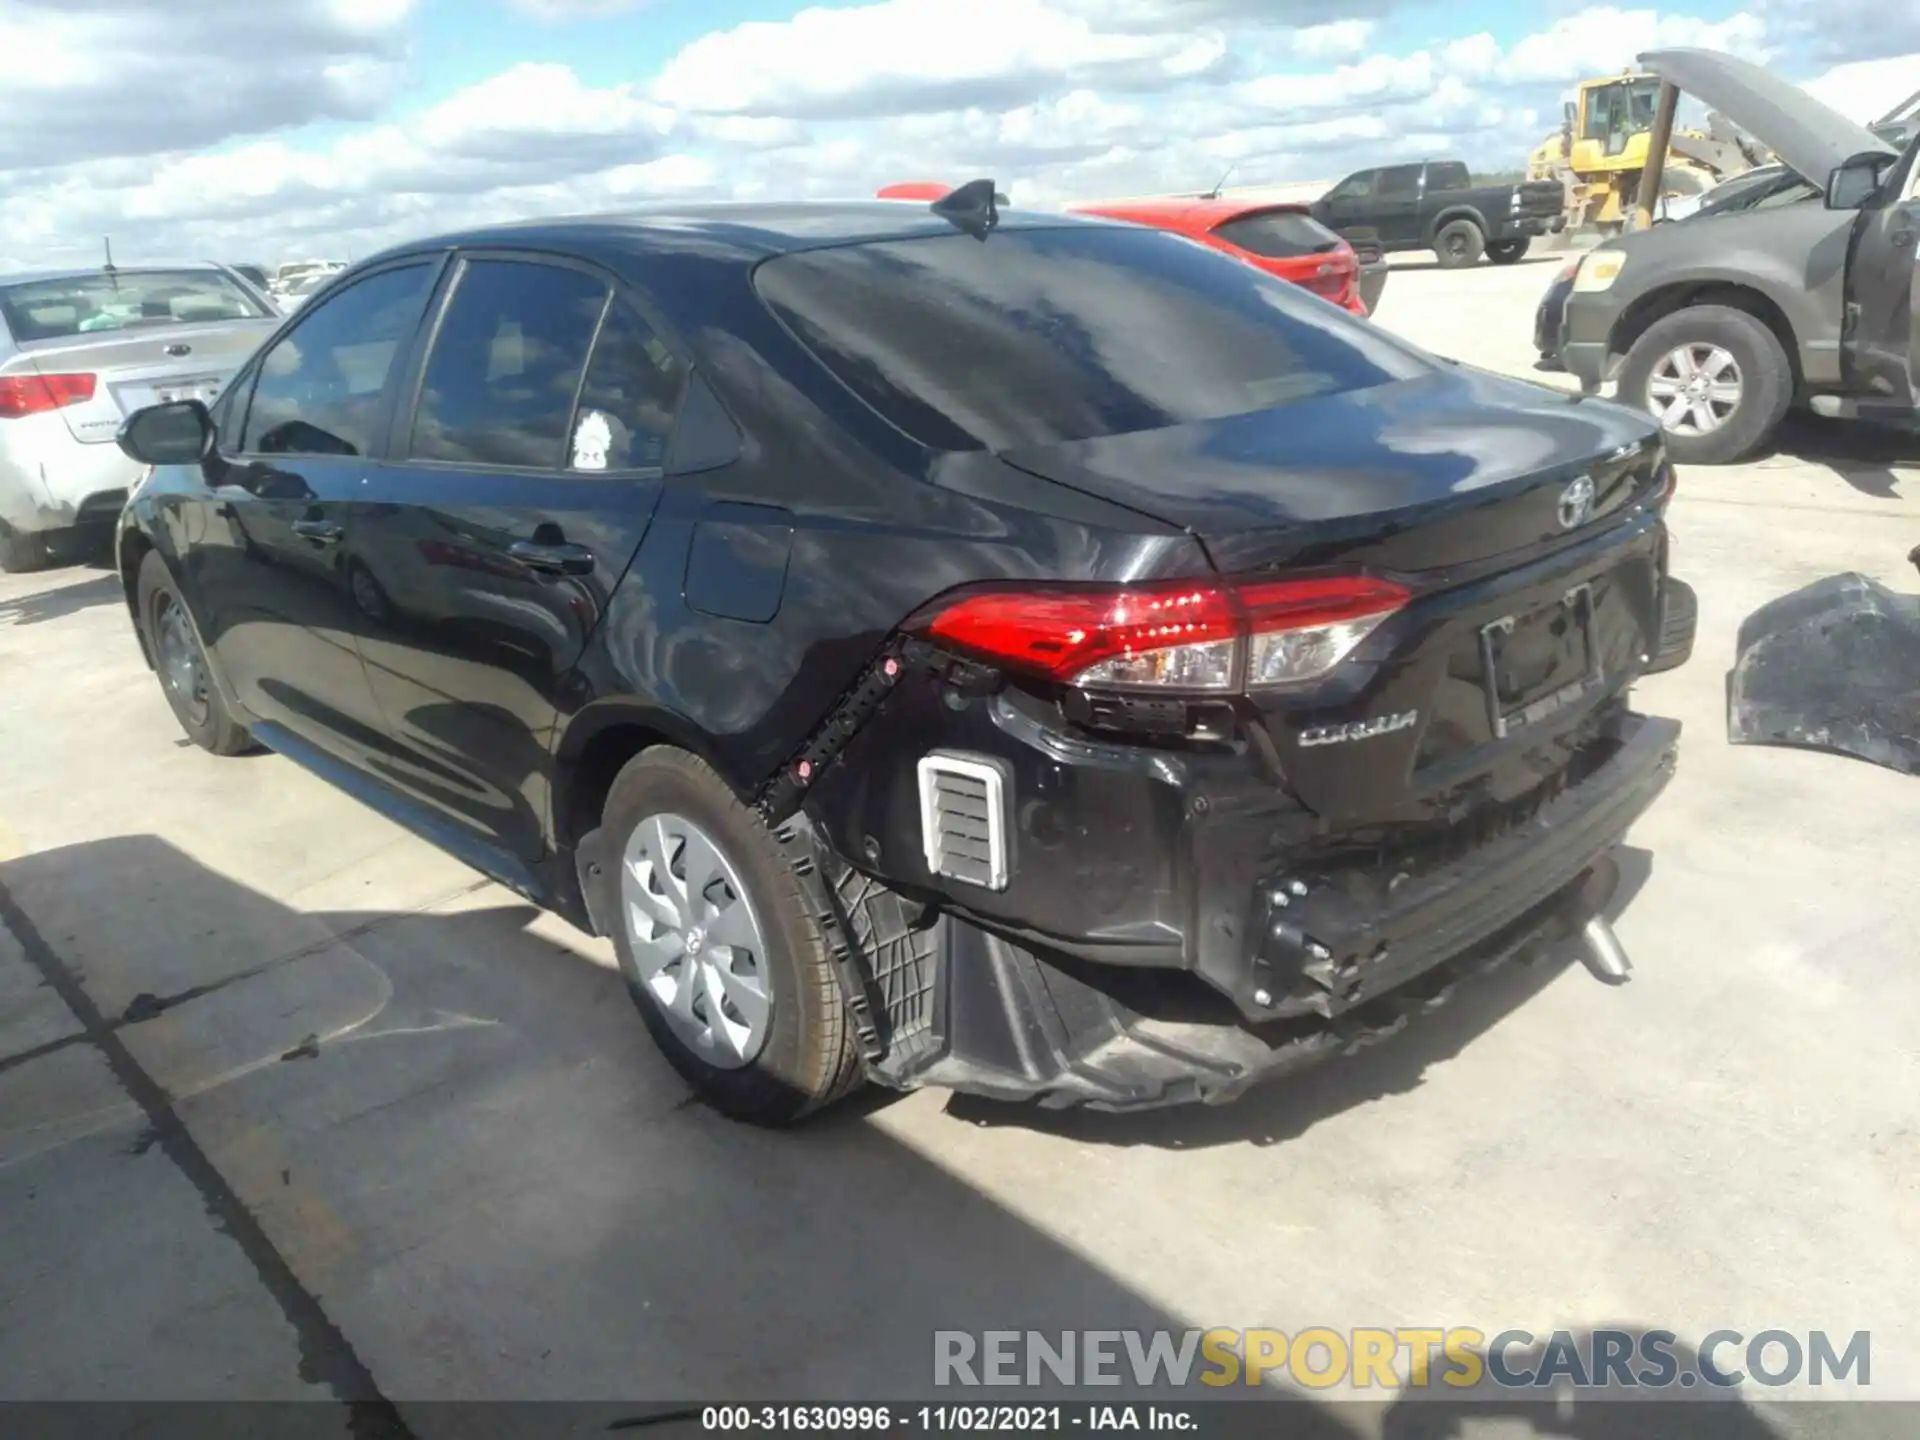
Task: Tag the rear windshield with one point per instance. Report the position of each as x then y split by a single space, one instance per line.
122 300
1279 234
1039 337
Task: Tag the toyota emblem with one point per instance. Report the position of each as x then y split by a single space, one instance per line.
1576 503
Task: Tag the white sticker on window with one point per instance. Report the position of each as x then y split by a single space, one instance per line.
592 439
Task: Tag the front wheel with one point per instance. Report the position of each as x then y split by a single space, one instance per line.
1717 379
719 950
186 674
1459 244
1508 252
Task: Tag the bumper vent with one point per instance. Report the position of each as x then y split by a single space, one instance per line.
963 819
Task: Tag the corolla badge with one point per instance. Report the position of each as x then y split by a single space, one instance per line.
1576 503
1359 729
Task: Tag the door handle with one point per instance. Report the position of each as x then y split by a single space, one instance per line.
320 532
561 557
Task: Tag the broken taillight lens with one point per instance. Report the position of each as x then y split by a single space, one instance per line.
35 394
1202 636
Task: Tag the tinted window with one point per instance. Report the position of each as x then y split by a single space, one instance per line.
500 384
1399 182
1279 234
627 404
1040 336
319 388
1448 175
123 300
1354 187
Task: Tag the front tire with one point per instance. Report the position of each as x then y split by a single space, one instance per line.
1508 252
1717 379
719 950
1459 245
186 673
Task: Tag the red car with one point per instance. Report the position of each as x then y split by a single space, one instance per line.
1283 240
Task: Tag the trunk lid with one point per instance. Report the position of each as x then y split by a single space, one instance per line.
1514 513
1449 470
139 367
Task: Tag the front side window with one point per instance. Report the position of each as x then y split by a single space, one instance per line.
1354 187
501 383
123 300
320 388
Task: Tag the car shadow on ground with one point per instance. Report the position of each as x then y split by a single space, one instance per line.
459 1174
58 601
1873 459
1292 1105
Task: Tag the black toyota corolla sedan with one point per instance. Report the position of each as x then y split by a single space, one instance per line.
939 645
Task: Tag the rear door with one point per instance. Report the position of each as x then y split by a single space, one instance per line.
310 416
523 474
1396 204
1881 348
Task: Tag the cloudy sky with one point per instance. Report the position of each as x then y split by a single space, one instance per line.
272 129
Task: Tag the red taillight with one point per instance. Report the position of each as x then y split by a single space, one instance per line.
22 395
1200 635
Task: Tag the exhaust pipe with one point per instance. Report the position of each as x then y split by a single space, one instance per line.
1600 949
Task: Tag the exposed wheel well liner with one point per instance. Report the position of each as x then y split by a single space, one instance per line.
585 770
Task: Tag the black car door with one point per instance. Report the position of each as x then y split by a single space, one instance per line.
1396 204
1881 350
522 476
311 414
1349 204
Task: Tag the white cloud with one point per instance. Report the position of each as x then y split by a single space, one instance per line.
1865 90
1056 99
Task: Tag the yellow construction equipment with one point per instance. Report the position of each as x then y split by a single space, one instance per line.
1601 148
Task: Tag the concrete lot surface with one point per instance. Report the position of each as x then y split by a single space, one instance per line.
292 1105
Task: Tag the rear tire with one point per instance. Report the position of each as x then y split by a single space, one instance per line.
185 670
1679 618
1749 382
1508 252
22 551
804 1055
1459 245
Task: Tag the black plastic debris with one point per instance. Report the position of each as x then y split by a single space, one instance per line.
1834 666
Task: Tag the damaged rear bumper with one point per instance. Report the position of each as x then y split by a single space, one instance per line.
977 1010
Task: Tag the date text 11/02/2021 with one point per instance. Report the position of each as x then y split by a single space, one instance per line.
948 1419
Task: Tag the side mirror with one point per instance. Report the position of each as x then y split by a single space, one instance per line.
1851 185
178 433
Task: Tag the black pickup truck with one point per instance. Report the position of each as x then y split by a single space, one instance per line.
1436 206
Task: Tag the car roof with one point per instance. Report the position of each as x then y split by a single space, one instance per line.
743 231
79 272
1190 212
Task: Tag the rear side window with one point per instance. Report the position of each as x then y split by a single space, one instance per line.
500 385
320 388
1038 337
1399 182
1448 175
627 404
1278 234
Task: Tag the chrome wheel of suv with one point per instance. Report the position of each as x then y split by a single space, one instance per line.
696 940
1695 389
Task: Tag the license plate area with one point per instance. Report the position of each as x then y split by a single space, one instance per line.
204 390
1532 666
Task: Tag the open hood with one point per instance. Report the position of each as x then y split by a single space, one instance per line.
1807 135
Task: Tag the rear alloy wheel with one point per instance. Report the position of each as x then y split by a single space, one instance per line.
1717 379
1459 244
722 956
1508 252
186 675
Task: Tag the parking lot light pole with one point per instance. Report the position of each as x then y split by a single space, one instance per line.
1656 166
